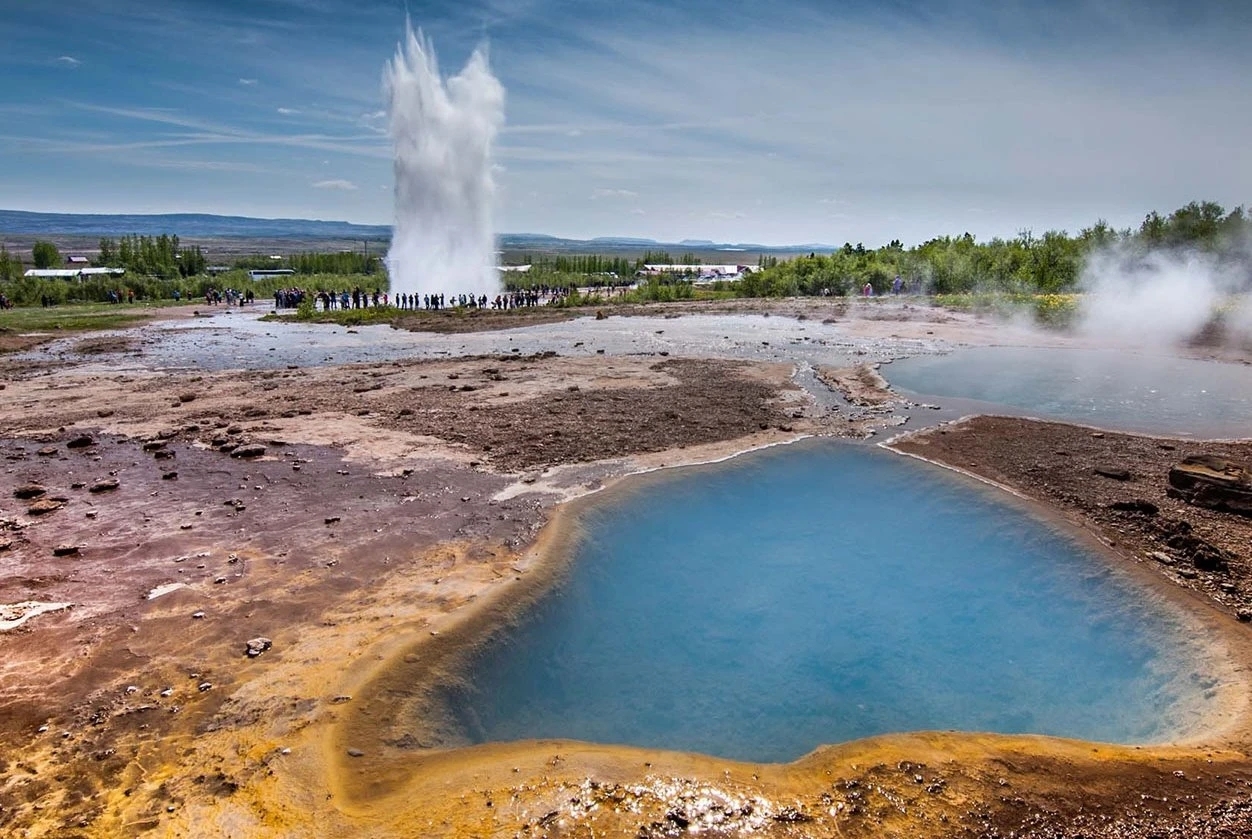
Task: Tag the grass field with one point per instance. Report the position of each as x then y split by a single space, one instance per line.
26 327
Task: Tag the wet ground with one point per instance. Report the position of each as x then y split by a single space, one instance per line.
389 487
229 339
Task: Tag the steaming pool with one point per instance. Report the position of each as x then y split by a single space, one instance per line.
1120 389
821 592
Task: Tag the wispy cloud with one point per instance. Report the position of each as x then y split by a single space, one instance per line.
346 186
613 193
910 112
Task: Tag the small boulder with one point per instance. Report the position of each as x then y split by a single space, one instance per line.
28 491
66 550
44 506
106 485
248 451
257 646
80 442
154 445
1138 505
1115 472
1213 482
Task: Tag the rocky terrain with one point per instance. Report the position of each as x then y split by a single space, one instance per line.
215 588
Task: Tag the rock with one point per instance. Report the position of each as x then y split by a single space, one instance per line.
203 686
1244 615
1114 472
197 616
48 451
1138 505
44 506
1214 483
332 519
249 450
80 442
186 397
66 550
169 476
355 753
257 646
163 454
106 485
154 445
28 491
1162 557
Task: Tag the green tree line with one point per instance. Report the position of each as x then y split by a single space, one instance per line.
1051 263
152 256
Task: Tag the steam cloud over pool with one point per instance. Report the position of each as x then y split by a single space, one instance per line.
821 593
443 132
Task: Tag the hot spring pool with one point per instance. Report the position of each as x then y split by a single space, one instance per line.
822 592
1108 388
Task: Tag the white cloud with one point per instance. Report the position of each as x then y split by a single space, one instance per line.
247 82
613 193
68 61
346 186
288 111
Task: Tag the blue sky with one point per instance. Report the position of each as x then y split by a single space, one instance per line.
779 122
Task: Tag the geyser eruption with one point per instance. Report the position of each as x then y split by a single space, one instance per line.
443 130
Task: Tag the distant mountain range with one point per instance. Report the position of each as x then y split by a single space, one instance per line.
183 224
205 226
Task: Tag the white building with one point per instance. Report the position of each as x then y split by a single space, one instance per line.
73 273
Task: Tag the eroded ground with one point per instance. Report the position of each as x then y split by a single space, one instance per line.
354 520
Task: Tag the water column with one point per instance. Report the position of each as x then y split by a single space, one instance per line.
443 132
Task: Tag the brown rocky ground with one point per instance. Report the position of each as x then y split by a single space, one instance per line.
388 509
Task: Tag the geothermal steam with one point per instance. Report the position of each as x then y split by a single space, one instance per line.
1164 297
443 131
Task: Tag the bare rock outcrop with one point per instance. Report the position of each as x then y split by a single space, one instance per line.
1212 482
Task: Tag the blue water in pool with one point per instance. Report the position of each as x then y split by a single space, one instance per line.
818 593
1114 389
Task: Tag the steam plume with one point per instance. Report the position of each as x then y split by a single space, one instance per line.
1164 297
443 131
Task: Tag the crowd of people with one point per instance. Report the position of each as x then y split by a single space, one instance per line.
291 298
226 296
